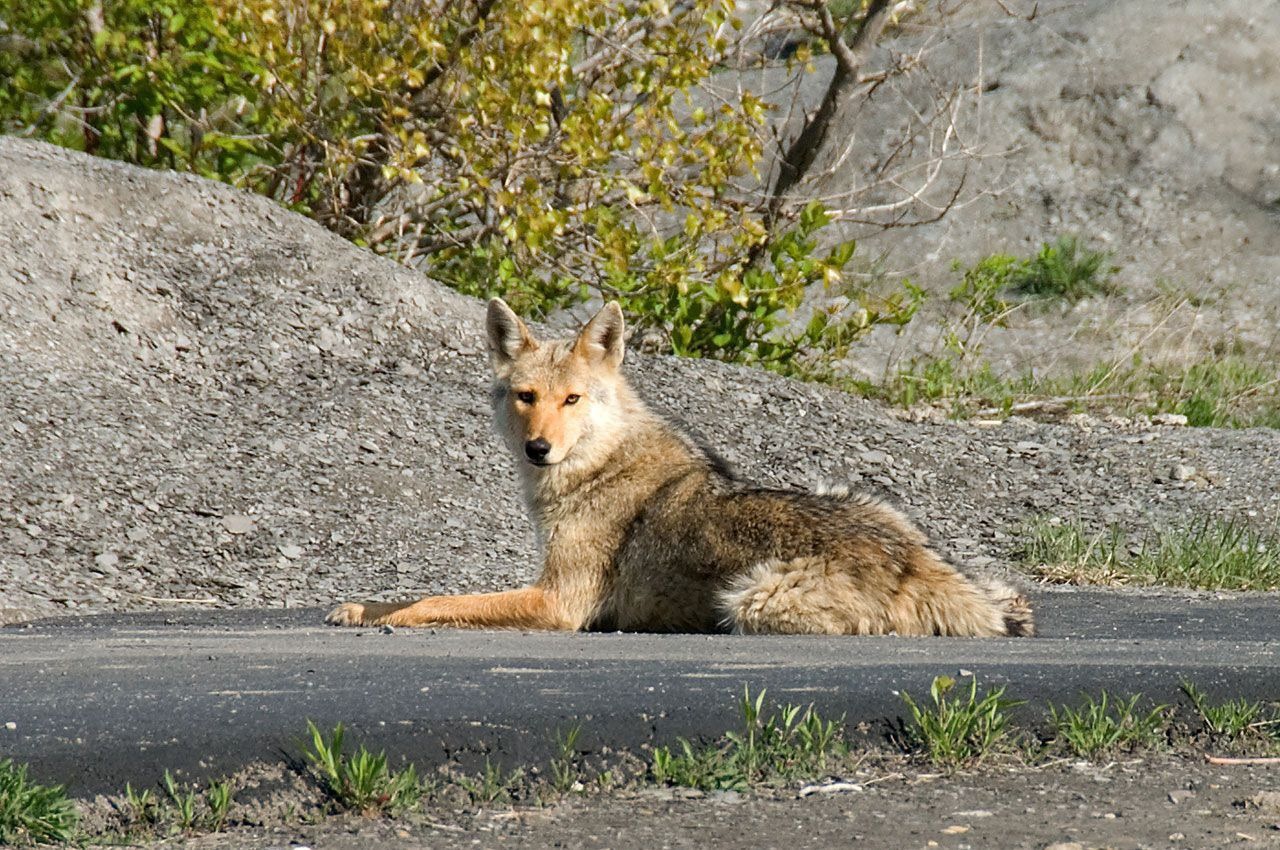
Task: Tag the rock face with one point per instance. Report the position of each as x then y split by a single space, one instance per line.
206 398
1149 129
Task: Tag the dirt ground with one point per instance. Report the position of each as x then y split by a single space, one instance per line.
1162 801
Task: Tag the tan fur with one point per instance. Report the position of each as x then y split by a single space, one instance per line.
644 531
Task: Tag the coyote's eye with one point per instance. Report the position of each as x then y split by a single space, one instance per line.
526 397
572 398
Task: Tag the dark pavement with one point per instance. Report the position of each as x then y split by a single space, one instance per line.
98 701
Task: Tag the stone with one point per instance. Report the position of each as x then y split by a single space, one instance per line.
238 524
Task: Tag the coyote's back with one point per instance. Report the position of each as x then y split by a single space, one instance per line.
644 530
711 552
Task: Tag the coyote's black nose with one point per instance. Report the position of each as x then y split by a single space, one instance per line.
537 450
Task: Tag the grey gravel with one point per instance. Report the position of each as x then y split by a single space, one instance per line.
208 400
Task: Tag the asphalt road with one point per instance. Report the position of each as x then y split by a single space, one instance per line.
95 702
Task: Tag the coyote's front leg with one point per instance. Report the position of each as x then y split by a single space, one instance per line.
527 608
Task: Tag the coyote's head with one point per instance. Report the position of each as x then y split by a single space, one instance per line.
559 401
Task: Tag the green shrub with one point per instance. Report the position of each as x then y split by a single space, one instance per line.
505 148
1065 269
981 285
151 82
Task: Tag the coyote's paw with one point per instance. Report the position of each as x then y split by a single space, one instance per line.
347 614
367 614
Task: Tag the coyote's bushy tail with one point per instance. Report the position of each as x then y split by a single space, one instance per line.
1018 619
818 595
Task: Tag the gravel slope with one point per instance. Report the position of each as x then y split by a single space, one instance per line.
204 397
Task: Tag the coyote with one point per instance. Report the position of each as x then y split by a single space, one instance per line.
642 529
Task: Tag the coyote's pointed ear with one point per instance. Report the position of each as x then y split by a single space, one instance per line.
601 340
508 336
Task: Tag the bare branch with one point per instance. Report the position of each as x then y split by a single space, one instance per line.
802 152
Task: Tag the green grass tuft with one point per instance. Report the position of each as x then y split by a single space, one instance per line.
361 782
1226 393
183 801
786 743
1209 554
564 767
1233 720
30 812
492 785
1065 269
1106 725
218 799
959 727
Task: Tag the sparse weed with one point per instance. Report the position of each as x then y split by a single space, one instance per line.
786 743
1230 720
956 372
564 767
362 782
143 806
179 807
218 799
1210 554
182 800
950 380
30 812
1225 393
959 728
981 286
492 785
1230 390
1106 725
1064 552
